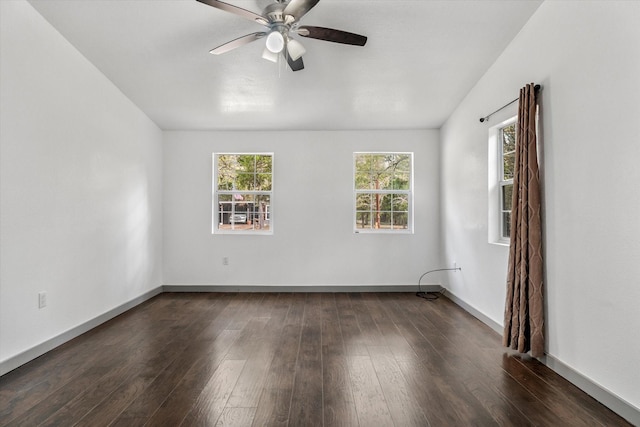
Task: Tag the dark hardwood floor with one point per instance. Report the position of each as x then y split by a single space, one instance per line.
292 359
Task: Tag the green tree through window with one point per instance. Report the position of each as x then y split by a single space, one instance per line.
383 191
242 192
507 146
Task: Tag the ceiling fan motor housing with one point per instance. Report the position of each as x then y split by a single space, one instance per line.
274 12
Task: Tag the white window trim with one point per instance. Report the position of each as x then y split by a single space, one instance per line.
215 192
409 193
495 165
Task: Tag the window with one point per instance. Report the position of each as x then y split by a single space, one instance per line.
506 162
501 163
242 193
383 192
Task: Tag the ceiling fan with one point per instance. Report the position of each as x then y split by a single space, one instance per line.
282 20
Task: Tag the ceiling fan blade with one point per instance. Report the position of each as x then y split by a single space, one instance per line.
236 43
331 35
247 14
298 8
296 65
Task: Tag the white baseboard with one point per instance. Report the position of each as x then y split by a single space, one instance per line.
612 401
37 351
297 288
475 312
618 405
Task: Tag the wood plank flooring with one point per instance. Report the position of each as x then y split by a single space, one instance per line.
317 359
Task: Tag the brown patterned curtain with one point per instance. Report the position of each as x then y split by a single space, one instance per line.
524 312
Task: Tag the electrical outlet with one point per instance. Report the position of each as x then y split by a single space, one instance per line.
225 260
42 299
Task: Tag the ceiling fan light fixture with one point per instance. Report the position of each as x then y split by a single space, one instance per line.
275 42
269 56
295 49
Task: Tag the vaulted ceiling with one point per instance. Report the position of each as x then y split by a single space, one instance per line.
422 57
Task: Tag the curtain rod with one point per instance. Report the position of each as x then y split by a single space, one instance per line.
485 118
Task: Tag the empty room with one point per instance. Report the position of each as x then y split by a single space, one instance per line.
318 213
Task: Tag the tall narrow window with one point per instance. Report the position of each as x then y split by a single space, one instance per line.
506 162
242 193
383 192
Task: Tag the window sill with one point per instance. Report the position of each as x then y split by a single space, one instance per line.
243 233
383 232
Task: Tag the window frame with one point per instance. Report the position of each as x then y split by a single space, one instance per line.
217 192
497 224
409 194
502 182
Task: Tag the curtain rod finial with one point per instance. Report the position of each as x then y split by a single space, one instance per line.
482 119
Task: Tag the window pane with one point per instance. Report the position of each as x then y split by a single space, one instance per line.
403 163
400 207
363 202
372 201
363 181
506 225
244 181
264 163
509 138
382 201
382 171
383 220
400 203
507 197
225 207
378 162
401 181
382 211
260 213
226 172
383 180
508 166
363 220
369 210
400 220
244 212
263 182
363 172
246 162
401 172
246 172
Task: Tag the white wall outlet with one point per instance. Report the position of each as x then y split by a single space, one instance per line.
225 260
42 299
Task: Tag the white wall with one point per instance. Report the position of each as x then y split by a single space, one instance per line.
80 199
313 241
587 57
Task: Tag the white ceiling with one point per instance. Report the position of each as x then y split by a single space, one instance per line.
421 59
